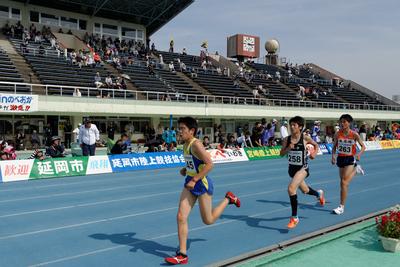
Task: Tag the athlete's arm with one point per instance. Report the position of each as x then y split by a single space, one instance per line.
285 147
200 152
358 139
309 140
335 143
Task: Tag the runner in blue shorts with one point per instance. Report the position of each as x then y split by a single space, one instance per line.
197 186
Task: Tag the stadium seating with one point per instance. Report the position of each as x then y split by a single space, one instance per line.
8 73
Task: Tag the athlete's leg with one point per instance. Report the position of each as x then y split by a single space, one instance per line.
186 203
294 184
346 175
208 214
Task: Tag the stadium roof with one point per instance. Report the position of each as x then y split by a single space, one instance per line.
153 14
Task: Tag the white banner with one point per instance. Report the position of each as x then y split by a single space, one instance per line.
228 155
371 145
16 170
98 164
18 103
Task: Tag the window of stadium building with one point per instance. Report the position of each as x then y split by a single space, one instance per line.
128 33
82 24
97 28
4 12
110 30
139 35
69 23
15 13
34 16
49 19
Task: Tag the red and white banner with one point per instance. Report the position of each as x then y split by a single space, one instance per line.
16 170
228 155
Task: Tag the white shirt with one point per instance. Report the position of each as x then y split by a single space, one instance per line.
76 132
89 136
284 131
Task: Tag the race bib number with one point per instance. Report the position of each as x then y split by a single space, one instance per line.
345 147
295 158
189 163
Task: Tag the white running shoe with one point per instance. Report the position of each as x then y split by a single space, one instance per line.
360 170
339 210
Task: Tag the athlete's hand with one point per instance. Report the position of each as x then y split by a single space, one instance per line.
358 157
190 185
183 171
333 160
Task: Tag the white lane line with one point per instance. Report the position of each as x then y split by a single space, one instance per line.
191 230
133 215
247 172
125 199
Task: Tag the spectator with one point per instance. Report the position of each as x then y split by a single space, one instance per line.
68 134
76 93
316 131
19 140
184 51
88 136
171 46
284 130
363 132
37 154
206 142
8 153
121 147
153 47
171 67
76 133
48 132
256 134
35 140
232 144
97 80
241 140
109 81
111 131
55 150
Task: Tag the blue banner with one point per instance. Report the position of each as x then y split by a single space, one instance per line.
143 161
329 148
324 149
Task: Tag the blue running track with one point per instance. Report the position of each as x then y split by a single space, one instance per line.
128 219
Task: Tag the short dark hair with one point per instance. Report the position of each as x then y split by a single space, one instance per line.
346 117
298 120
190 122
124 135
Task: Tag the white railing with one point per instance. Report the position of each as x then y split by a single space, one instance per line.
55 90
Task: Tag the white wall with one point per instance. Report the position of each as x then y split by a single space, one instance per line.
109 107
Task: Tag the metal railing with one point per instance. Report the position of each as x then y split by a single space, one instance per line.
92 92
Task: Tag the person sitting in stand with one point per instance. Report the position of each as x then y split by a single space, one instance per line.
55 150
120 146
37 154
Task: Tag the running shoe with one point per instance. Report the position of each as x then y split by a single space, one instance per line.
339 210
179 258
321 197
232 199
359 169
293 222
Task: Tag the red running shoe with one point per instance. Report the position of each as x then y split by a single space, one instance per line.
179 258
232 199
